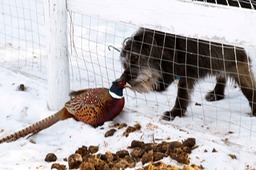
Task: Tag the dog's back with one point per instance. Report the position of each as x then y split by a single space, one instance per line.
152 59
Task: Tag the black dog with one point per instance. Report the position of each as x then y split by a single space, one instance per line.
152 60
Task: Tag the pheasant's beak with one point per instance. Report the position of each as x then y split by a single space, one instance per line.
127 85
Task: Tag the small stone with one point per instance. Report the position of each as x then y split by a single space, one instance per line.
214 150
21 87
149 146
137 153
190 142
173 145
122 125
147 157
83 151
93 149
87 166
58 166
122 153
179 156
74 161
131 161
232 156
119 126
109 156
162 147
50 157
136 143
115 125
187 149
131 129
159 165
137 126
158 156
109 133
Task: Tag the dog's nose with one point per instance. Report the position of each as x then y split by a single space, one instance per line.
125 76
129 74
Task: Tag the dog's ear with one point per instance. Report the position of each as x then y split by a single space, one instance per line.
145 36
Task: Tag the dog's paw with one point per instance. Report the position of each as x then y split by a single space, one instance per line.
167 116
212 96
170 115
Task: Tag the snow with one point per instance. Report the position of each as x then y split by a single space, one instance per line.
224 126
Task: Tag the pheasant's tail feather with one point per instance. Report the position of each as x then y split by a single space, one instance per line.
38 126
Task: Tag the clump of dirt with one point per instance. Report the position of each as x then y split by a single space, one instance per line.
151 152
58 166
109 133
214 150
74 161
50 157
160 165
232 156
22 87
93 149
131 129
88 158
119 125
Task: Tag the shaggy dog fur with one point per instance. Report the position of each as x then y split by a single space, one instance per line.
152 60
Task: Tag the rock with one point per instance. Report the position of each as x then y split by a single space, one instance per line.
83 151
122 153
158 156
93 149
109 133
136 143
147 157
137 153
87 166
58 166
21 87
190 142
74 161
50 157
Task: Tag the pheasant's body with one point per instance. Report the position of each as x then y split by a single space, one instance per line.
93 106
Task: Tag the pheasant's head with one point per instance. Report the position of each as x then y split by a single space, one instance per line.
116 90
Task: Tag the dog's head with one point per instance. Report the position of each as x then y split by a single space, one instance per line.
141 60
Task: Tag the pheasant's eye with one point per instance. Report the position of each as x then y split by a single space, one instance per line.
121 83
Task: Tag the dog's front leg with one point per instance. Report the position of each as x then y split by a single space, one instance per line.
185 87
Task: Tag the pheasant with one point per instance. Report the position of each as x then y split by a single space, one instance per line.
93 106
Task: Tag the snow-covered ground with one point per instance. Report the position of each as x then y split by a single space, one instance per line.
224 126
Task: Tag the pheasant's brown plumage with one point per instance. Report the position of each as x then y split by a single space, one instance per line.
93 106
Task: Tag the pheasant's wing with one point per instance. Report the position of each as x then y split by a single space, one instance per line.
73 94
92 101
94 106
93 114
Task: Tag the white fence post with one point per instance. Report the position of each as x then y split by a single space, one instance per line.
58 63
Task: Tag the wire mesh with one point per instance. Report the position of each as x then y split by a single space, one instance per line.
93 64
247 4
94 45
22 46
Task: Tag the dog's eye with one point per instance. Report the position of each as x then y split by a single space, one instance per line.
134 59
